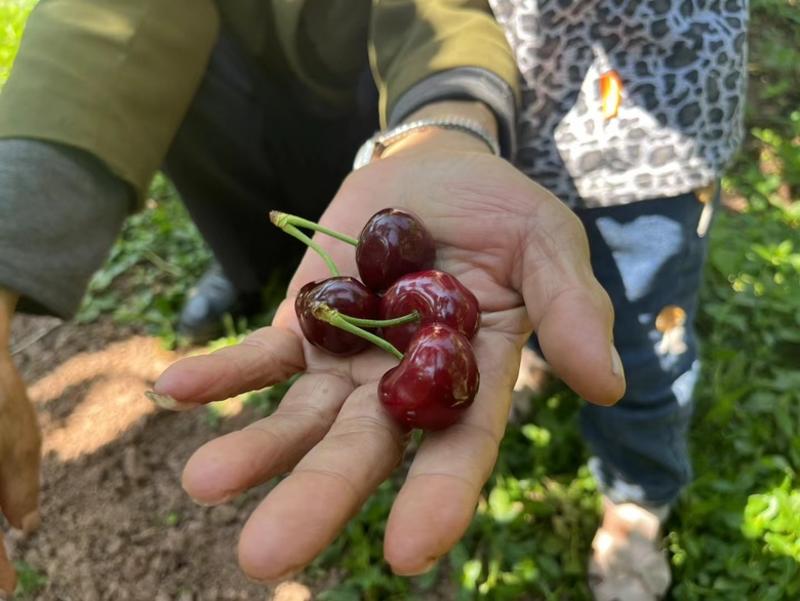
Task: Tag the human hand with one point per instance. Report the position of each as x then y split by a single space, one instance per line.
20 446
525 257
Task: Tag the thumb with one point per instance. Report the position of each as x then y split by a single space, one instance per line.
572 314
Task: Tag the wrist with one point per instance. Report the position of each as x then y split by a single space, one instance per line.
437 139
447 139
464 109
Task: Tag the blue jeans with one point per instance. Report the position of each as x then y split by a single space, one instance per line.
649 257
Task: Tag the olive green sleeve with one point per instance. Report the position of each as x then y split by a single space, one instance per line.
411 40
111 77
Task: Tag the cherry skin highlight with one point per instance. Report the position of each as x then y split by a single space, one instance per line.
438 297
392 244
348 296
436 381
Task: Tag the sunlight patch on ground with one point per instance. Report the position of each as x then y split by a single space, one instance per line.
92 398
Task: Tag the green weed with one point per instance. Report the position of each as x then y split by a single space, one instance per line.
157 258
13 15
29 581
172 519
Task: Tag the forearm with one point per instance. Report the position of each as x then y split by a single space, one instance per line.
449 50
412 40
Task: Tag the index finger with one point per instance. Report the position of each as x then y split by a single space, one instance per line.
267 356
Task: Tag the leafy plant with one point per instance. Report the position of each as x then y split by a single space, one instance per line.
13 15
158 257
29 581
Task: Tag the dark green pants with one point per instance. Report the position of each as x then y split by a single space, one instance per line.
252 142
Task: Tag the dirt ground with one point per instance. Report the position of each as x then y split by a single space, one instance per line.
116 526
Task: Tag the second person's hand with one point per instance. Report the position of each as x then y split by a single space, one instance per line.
20 445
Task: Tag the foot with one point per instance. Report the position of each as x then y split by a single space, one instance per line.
214 296
628 563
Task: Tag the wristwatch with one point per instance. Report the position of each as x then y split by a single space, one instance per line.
377 144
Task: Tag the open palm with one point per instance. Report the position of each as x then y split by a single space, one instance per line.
524 256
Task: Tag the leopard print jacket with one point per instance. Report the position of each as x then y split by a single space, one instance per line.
679 118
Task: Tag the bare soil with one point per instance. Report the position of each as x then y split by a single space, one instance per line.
116 525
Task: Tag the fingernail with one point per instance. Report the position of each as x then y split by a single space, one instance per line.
277 579
616 363
31 522
204 503
167 402
424 569
221 501
429 566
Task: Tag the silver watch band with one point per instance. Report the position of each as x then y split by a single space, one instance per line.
377 144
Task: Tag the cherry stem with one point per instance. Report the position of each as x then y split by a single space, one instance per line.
293 231
280 219
329 315
382 323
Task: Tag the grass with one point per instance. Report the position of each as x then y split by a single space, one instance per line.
736 532
13 14
29 581
157 257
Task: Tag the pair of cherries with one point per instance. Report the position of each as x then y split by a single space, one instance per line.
402 306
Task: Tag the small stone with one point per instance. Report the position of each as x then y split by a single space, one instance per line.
194 527
130 464
114 545
292 591
144 535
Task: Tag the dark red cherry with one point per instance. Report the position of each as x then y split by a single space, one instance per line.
435 382
439 298
348 296
392 244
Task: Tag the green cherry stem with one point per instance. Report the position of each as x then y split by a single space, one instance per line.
293 231
280 219
382 323
325 313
